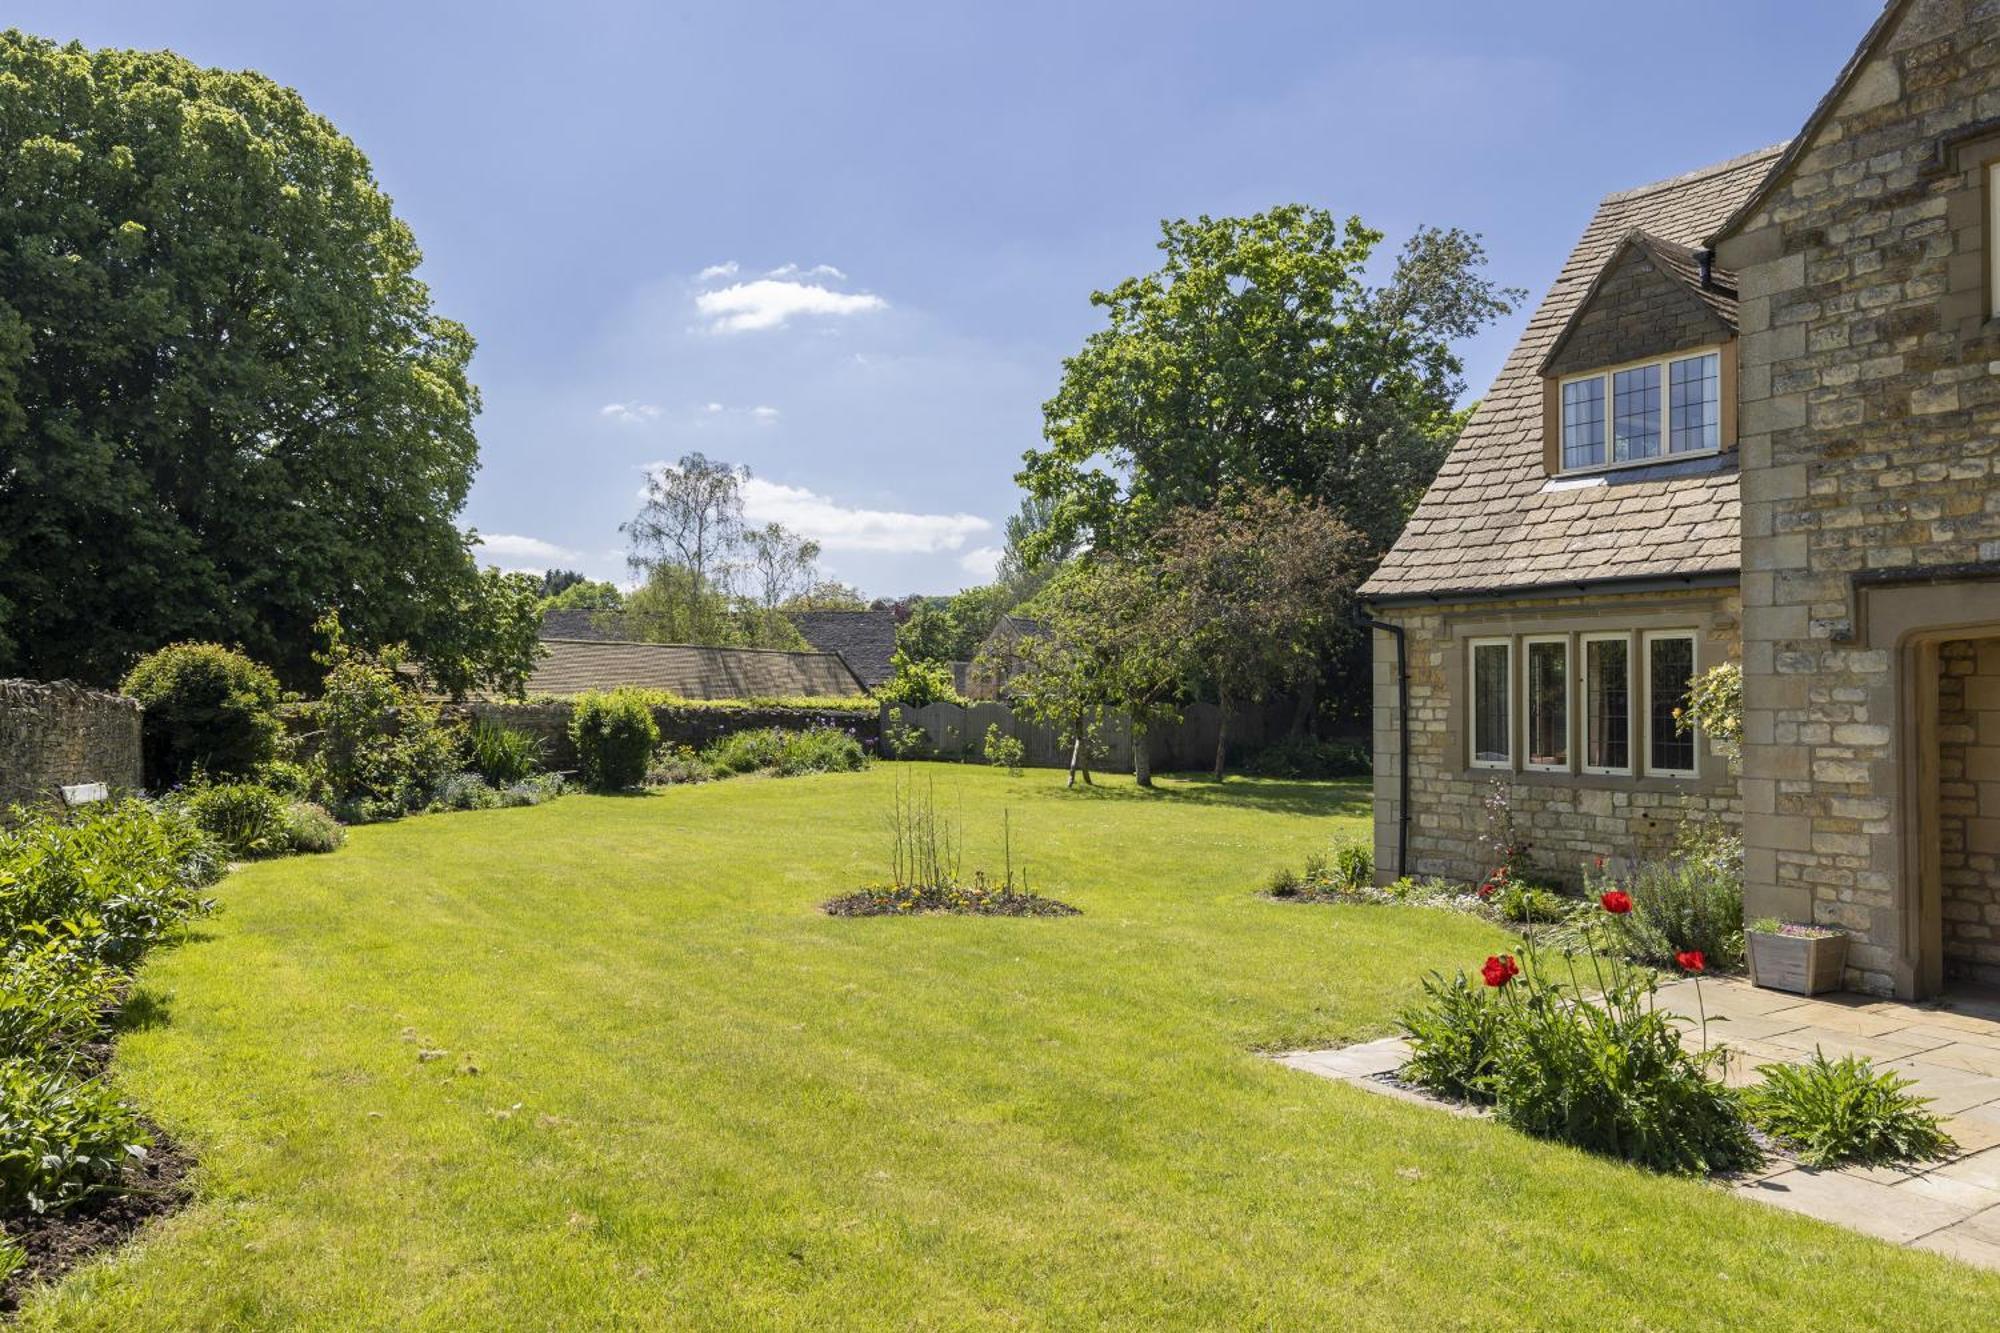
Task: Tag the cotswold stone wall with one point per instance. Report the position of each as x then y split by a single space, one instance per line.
1869 424
59 735
1969 808
1568 819
1638 312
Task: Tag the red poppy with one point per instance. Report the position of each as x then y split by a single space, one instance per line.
1486 889
1500 969
1617 902
1692 961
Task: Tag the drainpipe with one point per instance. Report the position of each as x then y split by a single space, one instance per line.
1366 621
1707 260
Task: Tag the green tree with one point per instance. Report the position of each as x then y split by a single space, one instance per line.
585 595
828 595
1265 582
1259 354
209 709
491 637
691 523
916 682
225 401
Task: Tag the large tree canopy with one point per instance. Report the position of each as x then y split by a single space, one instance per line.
225 402
1260 354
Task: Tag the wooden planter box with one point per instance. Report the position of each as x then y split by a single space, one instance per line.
1796 963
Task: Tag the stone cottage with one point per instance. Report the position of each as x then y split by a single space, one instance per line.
1754 419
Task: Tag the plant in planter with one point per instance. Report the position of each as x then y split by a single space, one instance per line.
1796 956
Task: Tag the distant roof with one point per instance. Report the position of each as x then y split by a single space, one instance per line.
571 666
1495 521
1016 627
605 626
866 640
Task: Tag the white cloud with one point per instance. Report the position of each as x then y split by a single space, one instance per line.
712 407
763 413
726 269
816 271
837 527
982 562
771 303
629 412
513 546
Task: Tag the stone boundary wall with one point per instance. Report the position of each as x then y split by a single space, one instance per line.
59 734
1186 746
678 726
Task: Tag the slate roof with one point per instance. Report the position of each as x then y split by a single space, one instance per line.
571 666
865 640
1493 520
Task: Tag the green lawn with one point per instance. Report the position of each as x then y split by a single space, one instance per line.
700 1102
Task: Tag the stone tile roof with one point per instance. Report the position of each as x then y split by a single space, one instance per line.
571 666
604 626
866 640
1494 520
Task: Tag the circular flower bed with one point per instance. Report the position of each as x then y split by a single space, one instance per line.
962 899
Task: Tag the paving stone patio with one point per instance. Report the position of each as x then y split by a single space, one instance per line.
1951 1050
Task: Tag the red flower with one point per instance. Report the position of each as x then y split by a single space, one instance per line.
1500 969
1600 863
1692 961
1617 902
1486 889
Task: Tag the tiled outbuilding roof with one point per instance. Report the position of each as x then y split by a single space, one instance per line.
865 639
605 626
1495 521
571 666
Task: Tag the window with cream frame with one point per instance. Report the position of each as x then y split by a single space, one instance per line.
1604 679
1667 666
1490 697
1650 411
1545 696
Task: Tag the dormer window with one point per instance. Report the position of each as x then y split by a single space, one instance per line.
1670 407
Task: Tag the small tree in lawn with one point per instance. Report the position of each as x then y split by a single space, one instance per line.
1128 630
1268 581
1056 681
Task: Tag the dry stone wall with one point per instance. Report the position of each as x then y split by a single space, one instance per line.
57 735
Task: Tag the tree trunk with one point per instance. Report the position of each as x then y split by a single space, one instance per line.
1081 755
1142 756
1075 753
1222 736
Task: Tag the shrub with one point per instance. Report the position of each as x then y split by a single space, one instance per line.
503 755
614 735
1677 906
209 709
383 749
1527 904
1004 751
286 778
465 791
1302 757
61 1138
533 790
901 741
785 753
1353 863
1832 1112
310 829
53 997
118 877
915 682
248 820
675 765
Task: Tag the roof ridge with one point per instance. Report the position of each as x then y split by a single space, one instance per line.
705 647
1736 163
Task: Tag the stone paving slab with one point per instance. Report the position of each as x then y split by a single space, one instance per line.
1951 1206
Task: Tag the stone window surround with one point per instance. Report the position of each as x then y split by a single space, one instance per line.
1635 618
1972 305
1552 411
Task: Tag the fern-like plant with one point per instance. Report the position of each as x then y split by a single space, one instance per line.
1833 1112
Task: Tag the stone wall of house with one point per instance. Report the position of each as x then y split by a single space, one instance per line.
1969 808
1637 312
1869 423
1567 819
57 735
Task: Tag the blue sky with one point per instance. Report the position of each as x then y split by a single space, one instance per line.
901 209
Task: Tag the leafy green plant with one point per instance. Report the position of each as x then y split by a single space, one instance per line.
248 820
536 790
903 741
677 765
1833 1112
381 749
118 877
785 753
466 791
54 996
310 828
614 735
1597 1066
62 1138
209 709
501 754
1353 864
916 682
1678 906
1004 751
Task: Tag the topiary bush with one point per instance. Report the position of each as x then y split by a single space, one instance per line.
209 709
614 735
